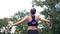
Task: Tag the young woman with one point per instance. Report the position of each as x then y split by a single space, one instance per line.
32 21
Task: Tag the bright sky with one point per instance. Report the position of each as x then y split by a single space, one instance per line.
10 7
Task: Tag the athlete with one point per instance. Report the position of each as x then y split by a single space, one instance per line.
32 21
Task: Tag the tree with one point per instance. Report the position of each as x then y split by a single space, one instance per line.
52 12
3 24
17 16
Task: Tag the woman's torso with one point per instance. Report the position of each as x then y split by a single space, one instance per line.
29 19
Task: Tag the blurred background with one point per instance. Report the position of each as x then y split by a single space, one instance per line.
12 11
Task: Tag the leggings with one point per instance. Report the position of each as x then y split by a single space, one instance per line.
33 32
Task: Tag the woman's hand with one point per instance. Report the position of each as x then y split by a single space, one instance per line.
50 25
8 27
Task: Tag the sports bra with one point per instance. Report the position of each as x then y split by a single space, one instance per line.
33 22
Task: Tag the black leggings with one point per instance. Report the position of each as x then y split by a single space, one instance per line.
32 32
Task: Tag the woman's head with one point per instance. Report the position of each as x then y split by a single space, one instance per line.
33 11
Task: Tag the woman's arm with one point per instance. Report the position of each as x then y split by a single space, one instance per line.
45 20
19 22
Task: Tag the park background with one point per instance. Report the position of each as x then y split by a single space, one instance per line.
12 11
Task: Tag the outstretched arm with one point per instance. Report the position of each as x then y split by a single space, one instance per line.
45 20
19 22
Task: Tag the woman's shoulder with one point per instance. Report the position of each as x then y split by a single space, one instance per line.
27 16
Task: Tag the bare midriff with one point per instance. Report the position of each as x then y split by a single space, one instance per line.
32 27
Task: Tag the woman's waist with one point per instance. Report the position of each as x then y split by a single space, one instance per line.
32 27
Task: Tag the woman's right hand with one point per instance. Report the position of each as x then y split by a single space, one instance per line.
8 27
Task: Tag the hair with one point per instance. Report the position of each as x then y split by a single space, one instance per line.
33 11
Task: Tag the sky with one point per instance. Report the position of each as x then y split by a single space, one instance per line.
9 7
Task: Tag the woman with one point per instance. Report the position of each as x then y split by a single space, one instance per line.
32 21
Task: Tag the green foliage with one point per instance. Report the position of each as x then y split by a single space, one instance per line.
22 28
3 22
51 13
17 16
